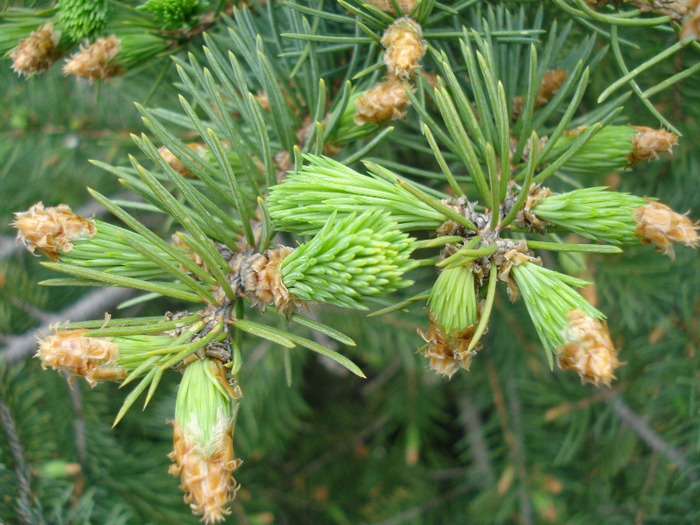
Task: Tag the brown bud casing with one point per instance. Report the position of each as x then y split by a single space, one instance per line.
176 164
96 60
588 349
404 47
384 102
649 142
94 358
52 230
448 353
263 281
205 478
691 22
552 80
385 5
659 225
37 52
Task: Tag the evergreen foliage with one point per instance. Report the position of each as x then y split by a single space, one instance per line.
174 14
82 18
497 144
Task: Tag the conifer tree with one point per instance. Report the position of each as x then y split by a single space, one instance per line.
492 181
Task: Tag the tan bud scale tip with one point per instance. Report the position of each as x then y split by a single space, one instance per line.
94 358
385 5
659 225
691 22
51 230
96 60
588 349
649 142
448 353
384 102
263 281
552 80
404 47
176 164
37 52
206 478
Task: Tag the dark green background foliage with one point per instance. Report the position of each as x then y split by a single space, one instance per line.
508 442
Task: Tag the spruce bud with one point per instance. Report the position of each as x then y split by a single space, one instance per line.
659 225
453 316
95 61
384 102
176 164
98 358
37 52
406 6
52 229
587 349
594 213
647 143
82 18
203 440
549 298
94 358
404 45
349 260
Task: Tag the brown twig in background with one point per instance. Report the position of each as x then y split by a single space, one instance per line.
474 430
653 440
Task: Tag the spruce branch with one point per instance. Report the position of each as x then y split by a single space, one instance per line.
464 129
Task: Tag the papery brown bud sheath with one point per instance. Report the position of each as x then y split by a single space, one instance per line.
659 225
176 164
203 440
94 358
649 142
263 281
206 480
405 47
51 230
588 349
37 52
385 5
96 60
384 102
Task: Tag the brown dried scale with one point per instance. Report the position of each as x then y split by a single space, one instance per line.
176 164
206 479
386 5
52 230
551 82
447 354
94 358
405 47
649 142
525 218
95 61
384 102
588 349
511 253
659 225
37 52
262 280
691 22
